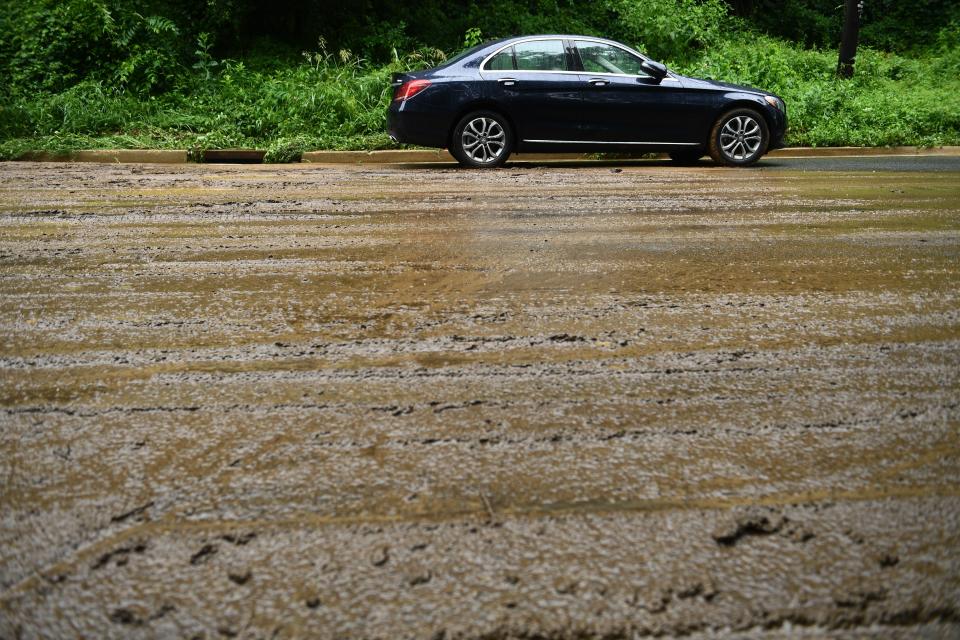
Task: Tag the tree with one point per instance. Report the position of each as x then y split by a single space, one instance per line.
848 41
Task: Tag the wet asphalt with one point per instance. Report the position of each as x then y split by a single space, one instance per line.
935 164
856 164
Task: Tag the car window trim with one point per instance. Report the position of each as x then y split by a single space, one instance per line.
512 46
513 43
579 73
615 45
564 39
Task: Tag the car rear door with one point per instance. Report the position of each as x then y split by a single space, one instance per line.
533 82
621 103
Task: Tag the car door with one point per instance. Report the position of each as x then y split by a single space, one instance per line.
621 103
532 81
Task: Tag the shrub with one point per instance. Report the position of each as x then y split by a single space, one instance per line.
673 30
891 100
112 77
53 44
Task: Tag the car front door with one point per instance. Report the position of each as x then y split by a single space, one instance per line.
534 83
621 103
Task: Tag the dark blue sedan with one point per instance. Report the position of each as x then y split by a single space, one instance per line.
578 93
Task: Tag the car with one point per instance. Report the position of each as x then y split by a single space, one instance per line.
561 93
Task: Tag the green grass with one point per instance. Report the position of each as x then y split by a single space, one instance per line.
322 101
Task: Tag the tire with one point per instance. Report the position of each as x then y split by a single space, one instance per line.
482 140
739 138
686 157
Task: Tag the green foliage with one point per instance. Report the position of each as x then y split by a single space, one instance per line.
895 25
205 62
151 60
472 37
890 25
53 44
328 101
674 30
118 73
807 22
45 43
891 100
382 38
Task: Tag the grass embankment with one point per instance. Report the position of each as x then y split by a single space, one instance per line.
324 101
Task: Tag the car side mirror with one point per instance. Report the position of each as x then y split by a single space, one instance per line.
654 69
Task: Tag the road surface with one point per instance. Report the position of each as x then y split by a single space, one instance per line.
545 401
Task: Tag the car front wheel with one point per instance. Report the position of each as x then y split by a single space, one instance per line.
739 138
481 140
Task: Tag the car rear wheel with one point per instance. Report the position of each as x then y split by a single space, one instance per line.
482 140
739 138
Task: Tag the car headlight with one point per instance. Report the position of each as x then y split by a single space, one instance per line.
776 103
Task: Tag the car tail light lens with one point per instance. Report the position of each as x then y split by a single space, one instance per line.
411 88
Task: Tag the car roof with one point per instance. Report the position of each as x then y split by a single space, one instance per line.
479 53
559 36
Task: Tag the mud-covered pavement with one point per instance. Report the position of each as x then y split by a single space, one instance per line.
317 401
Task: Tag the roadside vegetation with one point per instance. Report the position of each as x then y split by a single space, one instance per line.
315 75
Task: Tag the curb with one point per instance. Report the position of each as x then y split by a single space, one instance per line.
839 152
162 156
414 156
377 157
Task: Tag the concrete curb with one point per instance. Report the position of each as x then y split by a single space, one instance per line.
163 156
414 156
837 152
377 157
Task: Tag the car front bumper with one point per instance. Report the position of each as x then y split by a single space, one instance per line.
778 127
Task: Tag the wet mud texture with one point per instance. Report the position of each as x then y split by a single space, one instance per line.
430 403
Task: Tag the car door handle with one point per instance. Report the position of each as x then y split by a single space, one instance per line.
598 82
508 82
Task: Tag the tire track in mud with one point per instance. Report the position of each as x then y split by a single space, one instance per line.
486 407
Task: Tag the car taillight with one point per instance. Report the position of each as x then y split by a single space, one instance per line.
411 88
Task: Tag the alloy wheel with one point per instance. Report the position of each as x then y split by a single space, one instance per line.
741 137
483 140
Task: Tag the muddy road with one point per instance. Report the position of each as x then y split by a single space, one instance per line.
562 402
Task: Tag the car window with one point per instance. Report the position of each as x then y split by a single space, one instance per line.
502 61
604 58
541 55
463 54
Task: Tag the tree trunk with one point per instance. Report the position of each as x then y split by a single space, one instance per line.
849 39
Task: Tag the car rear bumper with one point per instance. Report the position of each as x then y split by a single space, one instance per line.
412 123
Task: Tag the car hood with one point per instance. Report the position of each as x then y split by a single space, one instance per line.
700 83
